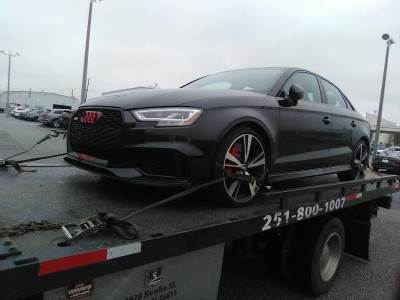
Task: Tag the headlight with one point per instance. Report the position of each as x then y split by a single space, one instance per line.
168 116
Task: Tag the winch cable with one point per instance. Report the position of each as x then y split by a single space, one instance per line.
240 177
15 163
174 197
129 230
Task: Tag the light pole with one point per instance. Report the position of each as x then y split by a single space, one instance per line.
389 42
9 69
85 64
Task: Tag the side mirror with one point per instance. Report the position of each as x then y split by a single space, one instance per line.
296 92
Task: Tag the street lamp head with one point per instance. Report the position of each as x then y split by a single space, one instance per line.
9 53
388 38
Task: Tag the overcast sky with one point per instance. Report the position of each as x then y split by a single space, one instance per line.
142 42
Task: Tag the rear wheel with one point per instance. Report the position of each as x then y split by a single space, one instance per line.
242 152
312 254
327 255
359 163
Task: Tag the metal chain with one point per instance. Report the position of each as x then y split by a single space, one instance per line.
28 227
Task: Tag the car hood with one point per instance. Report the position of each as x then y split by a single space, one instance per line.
173 97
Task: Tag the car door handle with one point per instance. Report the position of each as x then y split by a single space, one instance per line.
353 124
327 120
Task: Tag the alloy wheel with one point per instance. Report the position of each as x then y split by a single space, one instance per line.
245 156
360 161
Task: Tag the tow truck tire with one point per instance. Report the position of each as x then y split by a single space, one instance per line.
359 163
312 254
326 256
241 152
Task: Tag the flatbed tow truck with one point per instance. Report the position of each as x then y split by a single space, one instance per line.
179 249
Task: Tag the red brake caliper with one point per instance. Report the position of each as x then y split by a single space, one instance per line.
235 151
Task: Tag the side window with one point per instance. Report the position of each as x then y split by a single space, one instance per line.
308 82
333 95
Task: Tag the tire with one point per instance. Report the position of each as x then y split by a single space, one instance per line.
55 123
327 256
376 169
313 254
242 152
35 119
359 163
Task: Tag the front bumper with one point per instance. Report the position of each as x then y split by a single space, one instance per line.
123 148
129 174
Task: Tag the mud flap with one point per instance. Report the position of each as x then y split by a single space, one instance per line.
357 238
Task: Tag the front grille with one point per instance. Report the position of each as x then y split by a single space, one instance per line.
97 139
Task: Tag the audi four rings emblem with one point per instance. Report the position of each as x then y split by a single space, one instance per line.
90 117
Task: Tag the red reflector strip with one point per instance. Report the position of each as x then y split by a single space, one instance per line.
354 196
84 156
70 262
65 263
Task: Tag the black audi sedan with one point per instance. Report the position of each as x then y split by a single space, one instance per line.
388 160
273 124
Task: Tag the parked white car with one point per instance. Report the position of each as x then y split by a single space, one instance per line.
15 112
21 113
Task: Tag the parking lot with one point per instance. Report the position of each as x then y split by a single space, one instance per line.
248 278
18 135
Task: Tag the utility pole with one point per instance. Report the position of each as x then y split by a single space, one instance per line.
9 72
85 64
389 42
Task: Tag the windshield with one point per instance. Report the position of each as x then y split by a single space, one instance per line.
248 79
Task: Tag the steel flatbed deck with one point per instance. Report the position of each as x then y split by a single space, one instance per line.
65 194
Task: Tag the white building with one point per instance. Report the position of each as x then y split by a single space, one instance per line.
384 138
42 100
